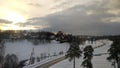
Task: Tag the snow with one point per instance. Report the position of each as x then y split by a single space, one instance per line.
42 62
24 48
98 61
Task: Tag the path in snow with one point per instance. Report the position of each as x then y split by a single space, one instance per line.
98 61
50 63
24 48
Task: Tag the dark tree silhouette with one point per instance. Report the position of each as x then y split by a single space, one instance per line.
45 37
11 61
88 55
2 52
114 52
74 50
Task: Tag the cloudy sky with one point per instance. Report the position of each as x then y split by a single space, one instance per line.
92 17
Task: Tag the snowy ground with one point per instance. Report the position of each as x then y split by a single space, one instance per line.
43 61
24 48
98 61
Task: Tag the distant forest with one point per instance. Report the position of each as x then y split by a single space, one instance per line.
46 35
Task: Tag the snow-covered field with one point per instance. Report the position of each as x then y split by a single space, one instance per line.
24 48
98 61
42 62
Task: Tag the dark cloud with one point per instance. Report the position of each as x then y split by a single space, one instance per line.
5 21
76 20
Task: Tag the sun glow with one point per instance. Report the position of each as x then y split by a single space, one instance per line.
15 18
15 27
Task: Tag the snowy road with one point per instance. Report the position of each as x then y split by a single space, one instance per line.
48 64
98 61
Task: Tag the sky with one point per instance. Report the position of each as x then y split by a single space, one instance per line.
89 17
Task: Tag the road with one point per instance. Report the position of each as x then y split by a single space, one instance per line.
50 63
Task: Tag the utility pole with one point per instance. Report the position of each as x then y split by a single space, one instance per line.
32 57
74 62
119 64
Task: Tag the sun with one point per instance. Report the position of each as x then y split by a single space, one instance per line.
15 17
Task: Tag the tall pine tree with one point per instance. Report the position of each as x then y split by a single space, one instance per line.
114 52
74 50
88 54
